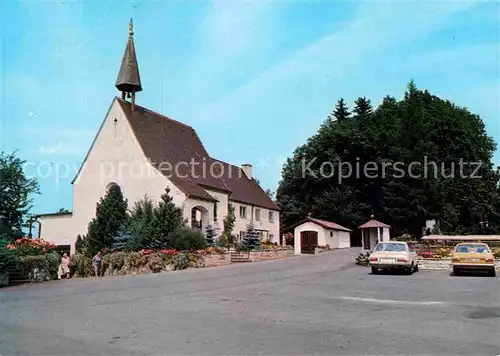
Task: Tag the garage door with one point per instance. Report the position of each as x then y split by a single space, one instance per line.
308 241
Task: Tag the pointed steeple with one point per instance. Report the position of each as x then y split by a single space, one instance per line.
128 80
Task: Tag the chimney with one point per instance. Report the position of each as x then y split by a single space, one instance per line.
247 169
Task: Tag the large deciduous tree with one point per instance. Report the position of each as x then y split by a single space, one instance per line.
400 161
16 194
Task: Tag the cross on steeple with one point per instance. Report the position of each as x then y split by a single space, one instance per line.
129 80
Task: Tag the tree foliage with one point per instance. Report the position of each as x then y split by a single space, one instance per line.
16 194
226 239
6 256
377 147
111 215
157 226
210 236
167 220
341 112
251 240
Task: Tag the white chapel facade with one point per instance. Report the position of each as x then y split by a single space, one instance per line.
144 152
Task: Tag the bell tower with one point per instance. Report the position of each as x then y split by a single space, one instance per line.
128 80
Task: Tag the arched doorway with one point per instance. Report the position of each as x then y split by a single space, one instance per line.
199 218
110 185
308 241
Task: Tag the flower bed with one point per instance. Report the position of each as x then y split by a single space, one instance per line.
151 261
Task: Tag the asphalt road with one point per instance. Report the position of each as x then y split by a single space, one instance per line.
322 304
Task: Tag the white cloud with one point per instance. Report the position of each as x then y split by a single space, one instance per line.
52 149
301 76
230 35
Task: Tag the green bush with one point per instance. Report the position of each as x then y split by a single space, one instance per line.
54 260
155 262
243 248
363 259
117 259
187 239
180 262
7 256
28 264
81 265
134 260
223 241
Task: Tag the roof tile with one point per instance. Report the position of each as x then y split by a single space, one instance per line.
178 153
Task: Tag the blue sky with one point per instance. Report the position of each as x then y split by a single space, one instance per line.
255 79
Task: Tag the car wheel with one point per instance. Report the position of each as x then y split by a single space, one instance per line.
456 271
493 273
409 270
374 270
415 269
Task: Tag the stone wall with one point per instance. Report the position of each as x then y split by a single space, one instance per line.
270 254
441 263
217 259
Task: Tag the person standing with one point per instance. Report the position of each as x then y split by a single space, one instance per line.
96 263
65 264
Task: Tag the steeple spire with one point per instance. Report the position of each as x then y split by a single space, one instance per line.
128 80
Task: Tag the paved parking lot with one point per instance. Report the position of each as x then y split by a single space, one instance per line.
321 304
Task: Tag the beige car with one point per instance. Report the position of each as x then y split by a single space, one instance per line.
393 255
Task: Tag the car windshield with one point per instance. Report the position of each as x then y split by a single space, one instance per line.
390 247
472 249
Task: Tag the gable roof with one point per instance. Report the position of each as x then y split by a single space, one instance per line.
323 223
373 223
178 153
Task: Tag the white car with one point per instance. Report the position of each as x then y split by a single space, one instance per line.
393 255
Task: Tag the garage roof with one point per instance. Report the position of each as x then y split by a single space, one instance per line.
323 223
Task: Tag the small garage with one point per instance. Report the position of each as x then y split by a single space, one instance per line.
311 233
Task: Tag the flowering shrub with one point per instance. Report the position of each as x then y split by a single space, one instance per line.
426 254
31 247
180 262
134 260
169 252
442 252
155 262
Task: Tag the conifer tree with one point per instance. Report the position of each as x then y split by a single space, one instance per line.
6 255
140 229
363 106
229 220
111 214
167 221
122 240
251 240
210 236
341 112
